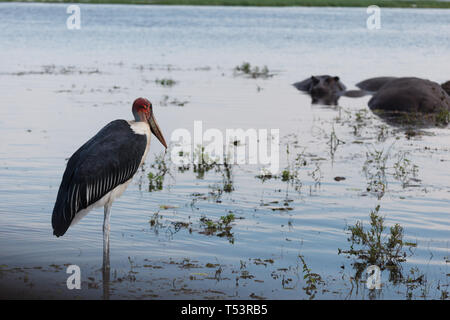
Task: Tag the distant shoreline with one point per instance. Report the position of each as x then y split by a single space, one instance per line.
266 3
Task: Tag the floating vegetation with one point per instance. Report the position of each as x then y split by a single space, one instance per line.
265 175
161 168
253 72
155 182
276 205
204 162
362 120
154 220
226 170
317 176
161 67
227 185
383 133
290 174
443 118
58 70
375 247
439 118
157 224
312 280
297 171
334 142
405 170
175 102
220 228
166 82
362 124
375 170
166 207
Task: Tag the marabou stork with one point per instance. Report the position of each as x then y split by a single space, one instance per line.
100 171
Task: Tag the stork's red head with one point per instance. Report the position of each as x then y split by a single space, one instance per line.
142 108
143 111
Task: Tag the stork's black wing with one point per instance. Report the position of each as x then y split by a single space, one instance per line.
107 160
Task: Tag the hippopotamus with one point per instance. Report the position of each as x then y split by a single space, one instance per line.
446 87
408 99
325 89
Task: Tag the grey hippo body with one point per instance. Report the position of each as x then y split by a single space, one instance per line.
407 99
446 87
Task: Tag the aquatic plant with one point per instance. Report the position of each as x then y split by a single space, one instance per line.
415 279
362 118
405 170
312 280
160 167
203 162
165 82
383 133
440 117
255 72
226 170
375 247
265 175
154 220
291 173
334 142
443 118
374 169
316 175
219 228
174 101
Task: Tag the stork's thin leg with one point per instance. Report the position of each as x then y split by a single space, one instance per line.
106 236
106 265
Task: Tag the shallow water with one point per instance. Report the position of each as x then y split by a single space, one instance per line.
60 86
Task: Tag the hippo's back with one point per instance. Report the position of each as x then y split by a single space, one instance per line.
410 95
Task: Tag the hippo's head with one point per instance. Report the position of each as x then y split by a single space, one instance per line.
325 85
323 89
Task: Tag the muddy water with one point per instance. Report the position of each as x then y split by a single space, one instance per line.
60 86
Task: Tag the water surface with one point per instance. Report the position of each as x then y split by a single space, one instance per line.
60 86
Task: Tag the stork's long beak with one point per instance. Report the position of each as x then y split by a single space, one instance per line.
156 130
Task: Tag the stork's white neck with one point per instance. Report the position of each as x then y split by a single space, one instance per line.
140 127
143 128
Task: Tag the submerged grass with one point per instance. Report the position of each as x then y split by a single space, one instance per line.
271 3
